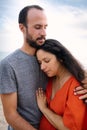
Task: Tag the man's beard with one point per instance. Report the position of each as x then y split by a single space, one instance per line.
32 42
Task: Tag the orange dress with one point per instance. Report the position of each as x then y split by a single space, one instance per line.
85 121
65 104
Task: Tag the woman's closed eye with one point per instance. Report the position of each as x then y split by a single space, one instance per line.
46 60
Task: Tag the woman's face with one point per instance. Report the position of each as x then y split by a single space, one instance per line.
48 63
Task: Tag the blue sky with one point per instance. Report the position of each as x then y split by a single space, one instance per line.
75 3
67 22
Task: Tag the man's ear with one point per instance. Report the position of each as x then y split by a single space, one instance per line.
22 27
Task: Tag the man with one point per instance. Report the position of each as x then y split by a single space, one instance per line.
20 75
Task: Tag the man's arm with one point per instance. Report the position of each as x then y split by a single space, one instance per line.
9 102
82 92
84 82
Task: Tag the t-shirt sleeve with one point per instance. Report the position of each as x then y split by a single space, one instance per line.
74 111
7 78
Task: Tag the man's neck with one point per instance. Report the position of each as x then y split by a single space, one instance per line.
28 49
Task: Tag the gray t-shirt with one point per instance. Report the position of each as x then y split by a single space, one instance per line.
20 72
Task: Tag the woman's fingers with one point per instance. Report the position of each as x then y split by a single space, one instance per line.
39 92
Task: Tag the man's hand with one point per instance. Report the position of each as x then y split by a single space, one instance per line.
82 92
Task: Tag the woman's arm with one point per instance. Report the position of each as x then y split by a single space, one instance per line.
53 118
75 109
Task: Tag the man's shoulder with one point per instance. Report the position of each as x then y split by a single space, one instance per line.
10 58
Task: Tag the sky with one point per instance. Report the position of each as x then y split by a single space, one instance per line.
67 22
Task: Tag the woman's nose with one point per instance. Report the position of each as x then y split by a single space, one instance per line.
43 66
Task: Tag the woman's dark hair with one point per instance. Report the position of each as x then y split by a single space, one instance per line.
23 13
65 57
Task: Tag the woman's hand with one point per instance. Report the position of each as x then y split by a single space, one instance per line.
41 99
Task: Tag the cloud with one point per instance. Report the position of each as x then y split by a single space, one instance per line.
68 25
74 3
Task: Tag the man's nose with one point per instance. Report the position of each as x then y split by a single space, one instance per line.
43 32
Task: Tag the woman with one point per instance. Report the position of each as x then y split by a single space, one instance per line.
61 109
85 121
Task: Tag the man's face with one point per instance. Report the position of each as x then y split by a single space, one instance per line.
36 27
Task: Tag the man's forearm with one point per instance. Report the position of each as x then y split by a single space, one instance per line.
18 123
